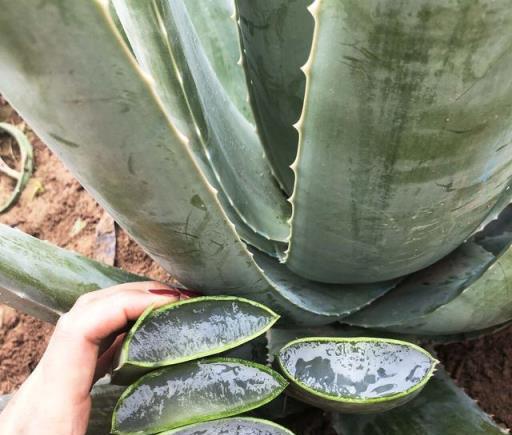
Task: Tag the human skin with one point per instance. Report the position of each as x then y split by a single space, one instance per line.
55 398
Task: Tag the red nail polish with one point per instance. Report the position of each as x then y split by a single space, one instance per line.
190 293
165 292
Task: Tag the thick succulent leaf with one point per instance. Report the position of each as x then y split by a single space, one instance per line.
466 291
276 38
26 156
233 147
215 25
193 392
189 330
441 409
332 302
403 137
44 280
170 209
356 375
232 426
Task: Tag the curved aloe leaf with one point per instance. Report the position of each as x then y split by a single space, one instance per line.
189 330
229 138
232 426
452 296
26 156
276 37
441 409
44 280
193 241
399 94
215 25
193 392
359 375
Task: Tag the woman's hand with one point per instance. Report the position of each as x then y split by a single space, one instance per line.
55 398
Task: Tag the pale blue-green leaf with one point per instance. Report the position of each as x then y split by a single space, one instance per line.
276 38
404 135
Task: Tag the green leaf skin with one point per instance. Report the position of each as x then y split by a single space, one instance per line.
44 280
232 145
232 426
26 157
215 25
194 392
276 38
134 161
441 409
192 329
404 136
355 375
466 291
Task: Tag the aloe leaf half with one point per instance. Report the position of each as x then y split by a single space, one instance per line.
194 392
359 375
189 330
44 280
232 426
441 409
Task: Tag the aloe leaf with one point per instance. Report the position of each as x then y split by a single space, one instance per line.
44 280
355 375
194 392
452 296
26 157
276 38
216 28
232 426
191 329
146 155
321 303
230 139
399 94
441 409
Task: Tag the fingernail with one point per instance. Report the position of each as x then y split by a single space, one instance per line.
190 293
165 292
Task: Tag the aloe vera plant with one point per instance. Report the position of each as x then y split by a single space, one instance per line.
334 160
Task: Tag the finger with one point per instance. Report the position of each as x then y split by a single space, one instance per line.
73 349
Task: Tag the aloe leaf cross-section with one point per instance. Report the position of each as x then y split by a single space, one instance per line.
355 375
193 392
189 330
232 426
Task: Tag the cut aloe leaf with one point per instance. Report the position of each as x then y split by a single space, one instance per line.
359 375
232 426
189 330
441 409
193 392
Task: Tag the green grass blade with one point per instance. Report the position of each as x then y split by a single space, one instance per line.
191 329
441 409
403 136
194 392
233 426
466 291
355 375
276 37
44 280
